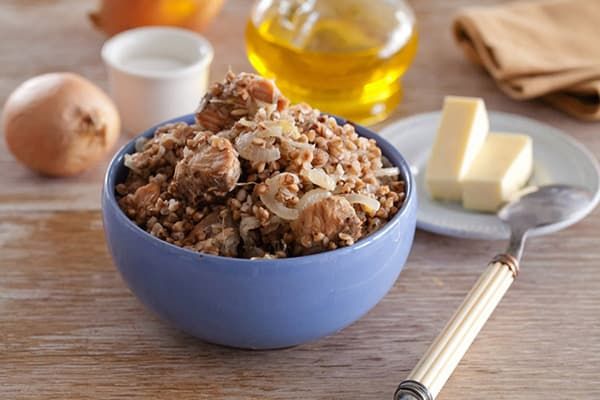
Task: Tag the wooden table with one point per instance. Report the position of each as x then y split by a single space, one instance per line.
70 329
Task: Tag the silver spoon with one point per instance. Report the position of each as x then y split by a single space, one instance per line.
536 210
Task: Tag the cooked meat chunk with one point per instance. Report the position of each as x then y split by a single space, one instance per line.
264 90
238 96
331 220
145 196
139 204
153 153
215 234
212 167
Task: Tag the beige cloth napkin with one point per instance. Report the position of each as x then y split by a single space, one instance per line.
546 49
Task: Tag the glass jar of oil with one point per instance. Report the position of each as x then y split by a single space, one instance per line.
345 57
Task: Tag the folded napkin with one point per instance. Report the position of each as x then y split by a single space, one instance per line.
548 49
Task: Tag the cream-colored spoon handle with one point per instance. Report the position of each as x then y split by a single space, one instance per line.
431 373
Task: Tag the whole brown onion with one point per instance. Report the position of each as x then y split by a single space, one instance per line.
59 124
115 16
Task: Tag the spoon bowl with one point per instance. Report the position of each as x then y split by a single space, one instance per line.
541 209
544 206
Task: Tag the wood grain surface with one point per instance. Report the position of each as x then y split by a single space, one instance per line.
70 329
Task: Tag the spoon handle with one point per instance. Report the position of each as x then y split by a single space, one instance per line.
431 373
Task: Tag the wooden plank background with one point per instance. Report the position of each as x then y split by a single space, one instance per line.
69 328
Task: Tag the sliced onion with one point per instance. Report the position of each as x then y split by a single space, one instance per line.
290 129
254 153
161 152
370 204
284 174
268 107
187 152
130 163
312 197
259 154
228 134
267 256
392 171
247 224
280 128
286 132
243 141
140 143
270 131
320 178
246 123
277 208
370 188
339 174
269 200
301 145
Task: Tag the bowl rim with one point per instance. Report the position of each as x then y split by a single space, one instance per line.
388 150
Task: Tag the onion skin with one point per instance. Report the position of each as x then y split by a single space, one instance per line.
115 16
59 124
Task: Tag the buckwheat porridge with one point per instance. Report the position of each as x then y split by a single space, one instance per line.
256 177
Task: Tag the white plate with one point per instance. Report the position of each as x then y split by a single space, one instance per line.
557 159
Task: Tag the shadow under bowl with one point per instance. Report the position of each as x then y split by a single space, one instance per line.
258 304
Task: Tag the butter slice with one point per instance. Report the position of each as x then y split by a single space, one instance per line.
460 136
502 167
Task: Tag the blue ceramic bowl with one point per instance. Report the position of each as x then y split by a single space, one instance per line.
258 304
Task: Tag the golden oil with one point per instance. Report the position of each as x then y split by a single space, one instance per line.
347 61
